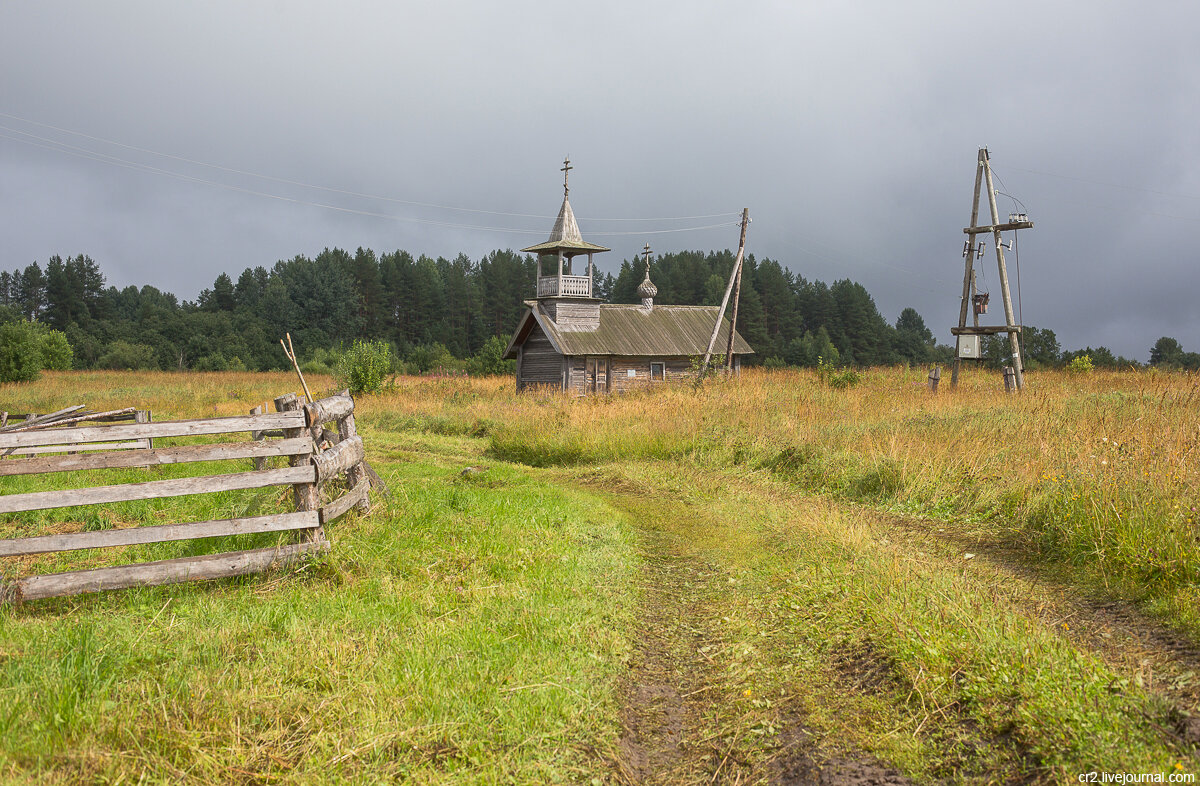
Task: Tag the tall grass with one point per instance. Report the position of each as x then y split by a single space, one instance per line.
470 628
1094 471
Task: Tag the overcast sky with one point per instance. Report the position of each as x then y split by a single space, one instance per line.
174 141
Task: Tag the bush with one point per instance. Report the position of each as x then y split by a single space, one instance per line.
322 361
1081 365
315 367
836 378
490 359
56 350
20 352
124 356
214 362
433 357
365 367
26 348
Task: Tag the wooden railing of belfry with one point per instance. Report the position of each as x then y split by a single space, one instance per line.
301 436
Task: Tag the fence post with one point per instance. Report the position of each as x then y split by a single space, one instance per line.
1010 379
257 436
304 494
935 374
143 416
355 474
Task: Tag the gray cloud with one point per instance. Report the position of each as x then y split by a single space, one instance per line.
849 130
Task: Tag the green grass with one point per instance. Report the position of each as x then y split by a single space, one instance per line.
469 625
923 660
475 628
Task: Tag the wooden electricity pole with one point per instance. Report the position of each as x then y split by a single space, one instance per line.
735 276
969 275
983 176
737 293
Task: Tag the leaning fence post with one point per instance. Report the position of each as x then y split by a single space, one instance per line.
355 474
304 494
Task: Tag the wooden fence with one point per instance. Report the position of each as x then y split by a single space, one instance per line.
71 416
315 455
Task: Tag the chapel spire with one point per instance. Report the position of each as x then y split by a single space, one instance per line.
564 244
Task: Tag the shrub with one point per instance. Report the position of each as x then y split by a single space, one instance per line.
28 347
56 350
365 367
490 359
20 352
700 373
433 357
836 378
321 361
124 356
315 367
214 362
1081 365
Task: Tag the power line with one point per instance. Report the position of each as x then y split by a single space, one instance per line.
301 184
1123 209
79 152
1103 183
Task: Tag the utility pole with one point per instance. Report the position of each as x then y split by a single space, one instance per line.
969 275
733 276
737 293
983 176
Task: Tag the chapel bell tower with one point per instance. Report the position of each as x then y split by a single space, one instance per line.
563 293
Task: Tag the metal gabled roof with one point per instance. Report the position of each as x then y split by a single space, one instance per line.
632 330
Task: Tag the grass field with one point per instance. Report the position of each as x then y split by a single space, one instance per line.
750 582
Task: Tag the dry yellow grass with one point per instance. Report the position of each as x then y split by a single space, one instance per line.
770 479
1094 470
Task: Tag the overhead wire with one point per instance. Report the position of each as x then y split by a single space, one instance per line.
63 147
1103 183
302 184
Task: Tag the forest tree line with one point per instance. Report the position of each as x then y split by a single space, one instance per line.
437 311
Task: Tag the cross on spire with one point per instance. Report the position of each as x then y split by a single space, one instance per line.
646 254
566 170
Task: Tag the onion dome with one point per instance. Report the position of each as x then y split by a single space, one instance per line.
646 290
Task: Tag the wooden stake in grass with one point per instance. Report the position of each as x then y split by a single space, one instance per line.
291 355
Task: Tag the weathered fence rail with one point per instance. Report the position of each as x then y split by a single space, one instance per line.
315 456
53 423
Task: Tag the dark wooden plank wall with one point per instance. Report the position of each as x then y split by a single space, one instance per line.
677 369
577 376
540 364
574 316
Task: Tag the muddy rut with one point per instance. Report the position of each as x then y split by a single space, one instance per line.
677 723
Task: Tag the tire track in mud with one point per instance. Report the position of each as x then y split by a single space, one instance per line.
679 721
667 699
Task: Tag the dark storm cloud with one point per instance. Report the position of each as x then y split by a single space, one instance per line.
849 130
